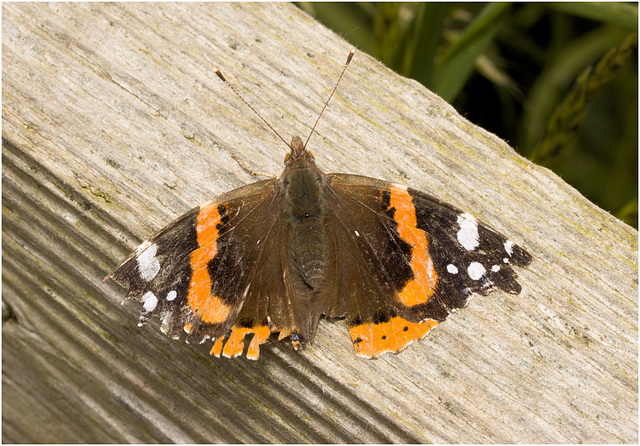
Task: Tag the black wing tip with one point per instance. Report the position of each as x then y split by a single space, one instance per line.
520 256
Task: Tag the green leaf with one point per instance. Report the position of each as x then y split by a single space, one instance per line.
620 14
456 63
424 43
563 68
569 114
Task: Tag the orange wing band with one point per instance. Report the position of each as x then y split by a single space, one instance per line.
235 343
208 307
371 340
423 285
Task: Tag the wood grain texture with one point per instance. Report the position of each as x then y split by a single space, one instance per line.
114 124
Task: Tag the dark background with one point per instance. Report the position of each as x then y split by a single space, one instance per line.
557 81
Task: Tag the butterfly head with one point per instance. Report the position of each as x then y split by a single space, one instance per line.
299 156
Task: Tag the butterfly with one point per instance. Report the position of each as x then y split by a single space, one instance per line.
268 260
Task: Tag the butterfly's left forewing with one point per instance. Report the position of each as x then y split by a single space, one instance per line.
208 273
420 260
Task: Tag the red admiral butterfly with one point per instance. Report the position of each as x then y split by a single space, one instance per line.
272 257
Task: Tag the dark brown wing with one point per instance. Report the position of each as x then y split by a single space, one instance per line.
211 272
406 261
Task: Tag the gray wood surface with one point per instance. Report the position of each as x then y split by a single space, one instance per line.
114 124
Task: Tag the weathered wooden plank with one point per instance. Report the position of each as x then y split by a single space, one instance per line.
114 124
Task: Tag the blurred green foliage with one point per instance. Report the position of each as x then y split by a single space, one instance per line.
558 81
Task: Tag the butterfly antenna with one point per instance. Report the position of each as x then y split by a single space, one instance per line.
349 57
219 73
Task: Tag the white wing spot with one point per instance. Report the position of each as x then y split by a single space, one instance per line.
148 263
468 233
495 268
508 246
150 302
452 269
357 233
476 270
505 260
172 295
